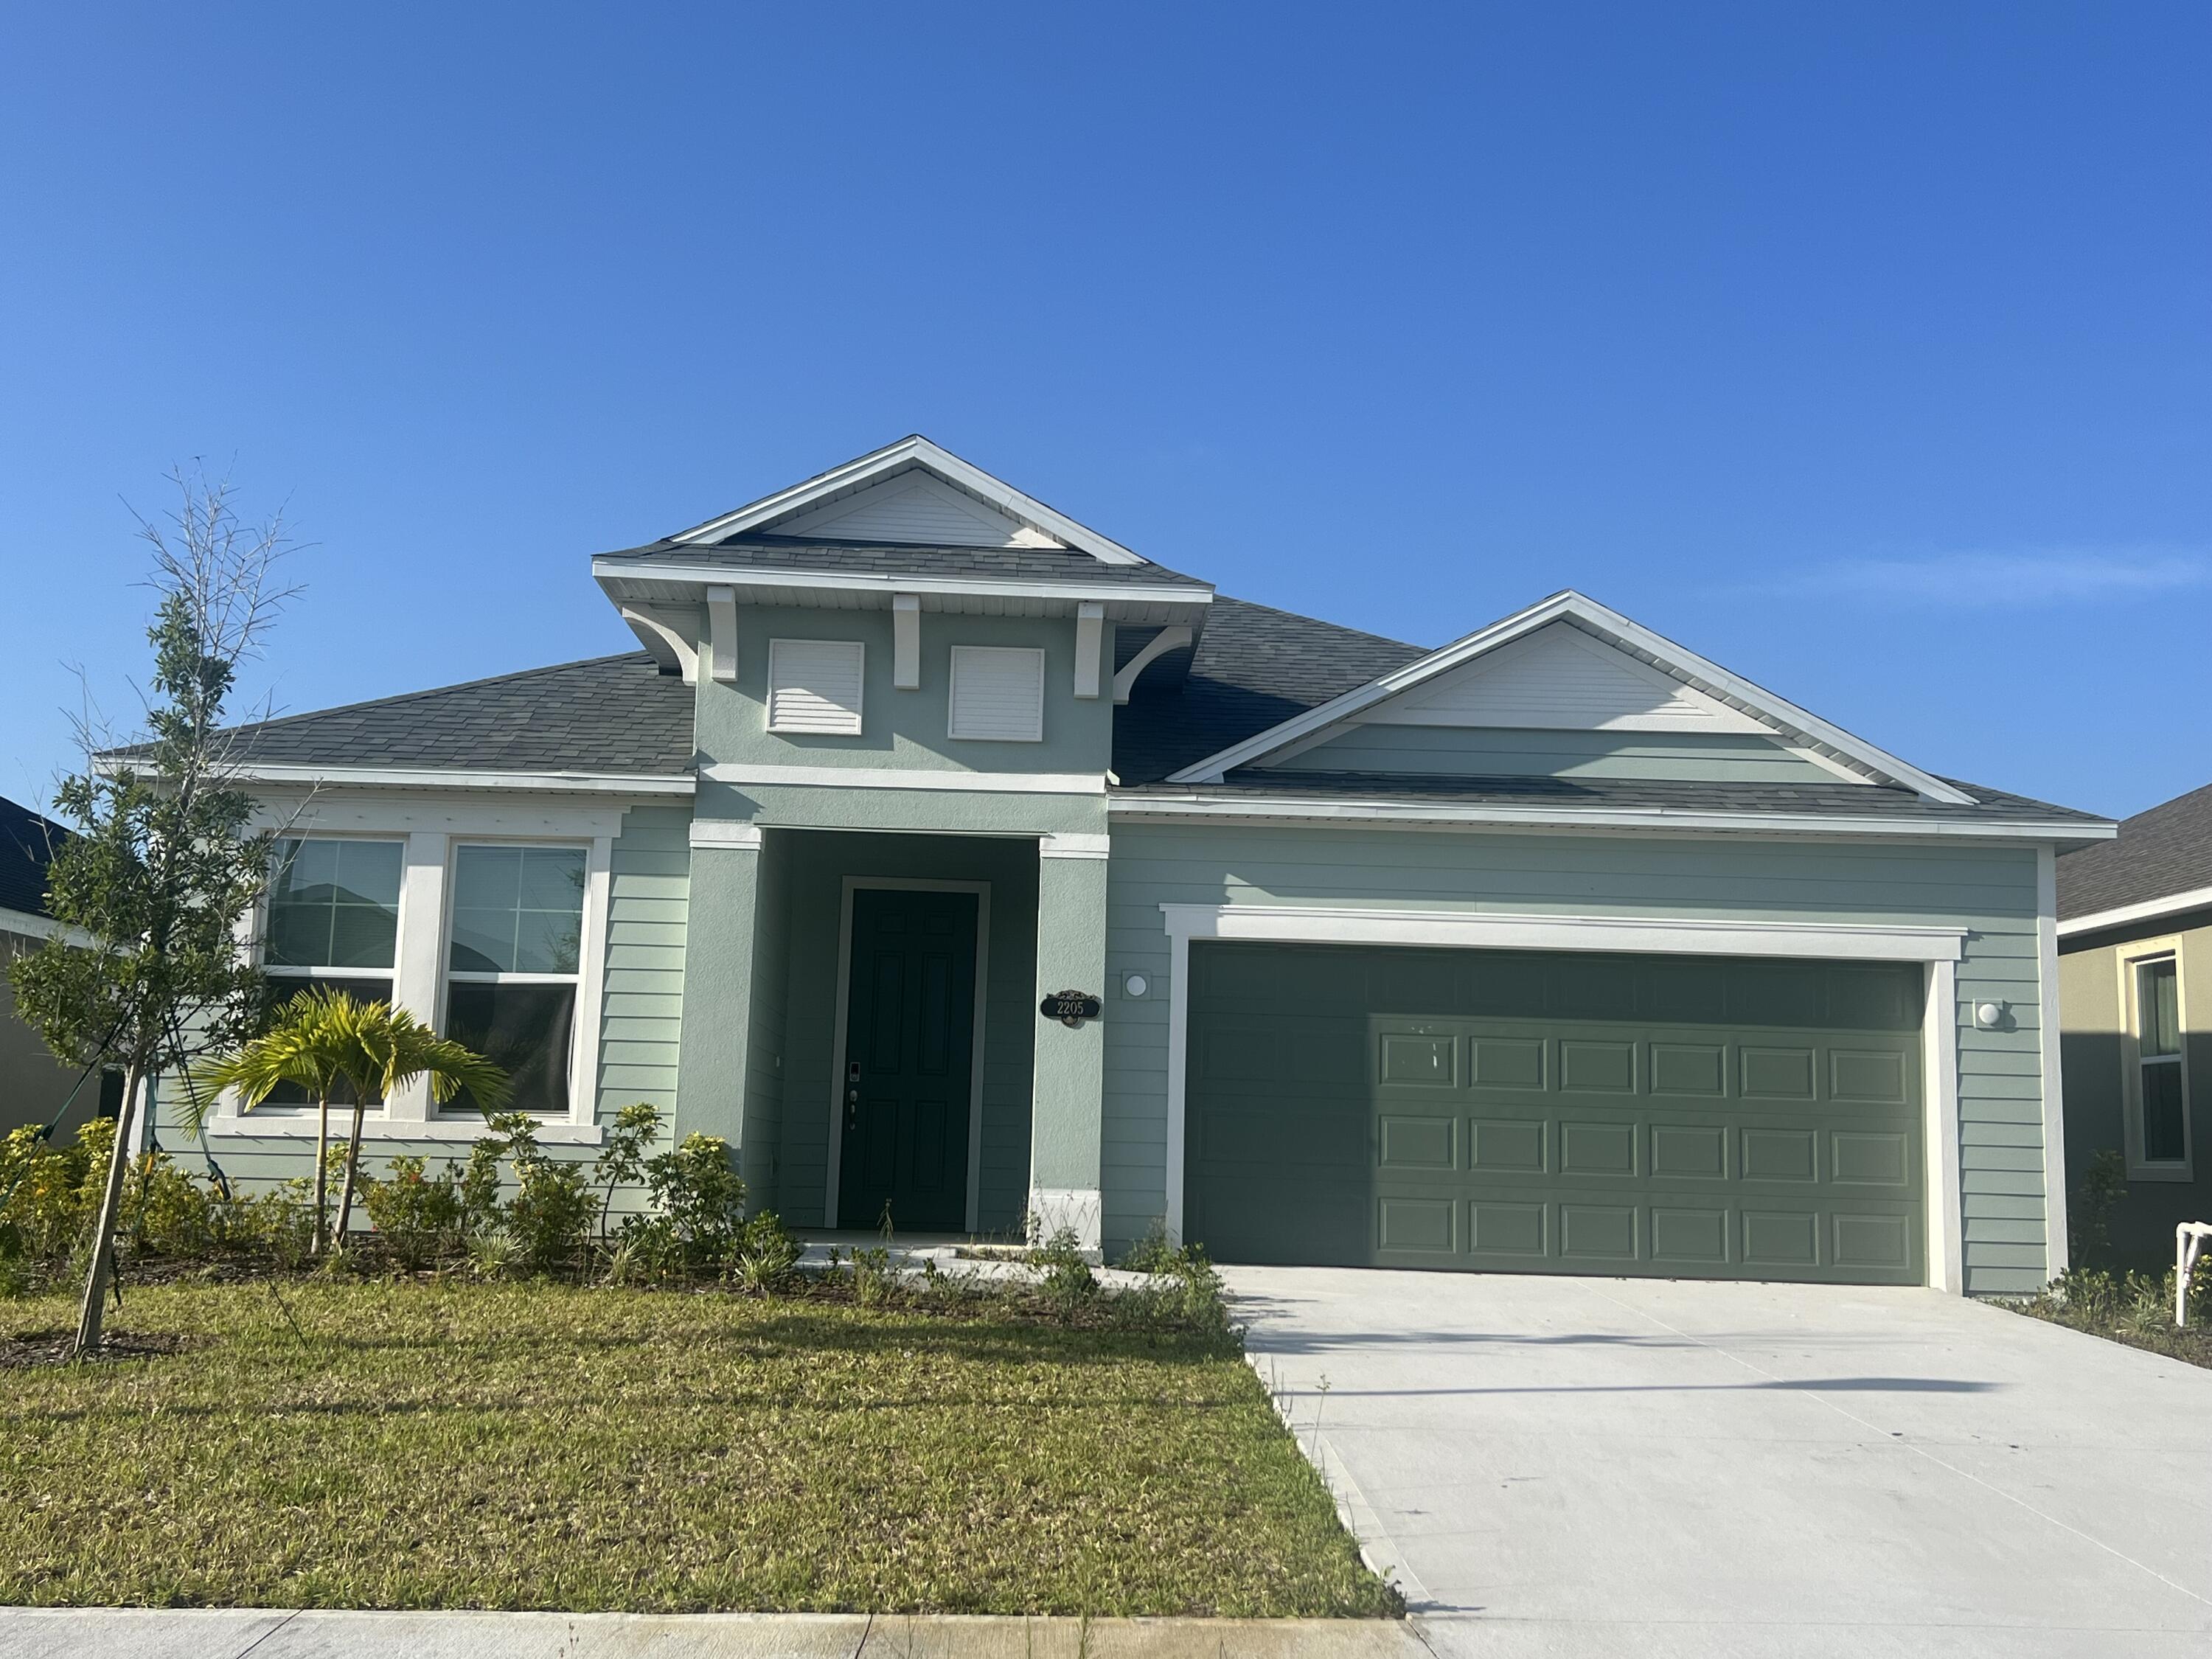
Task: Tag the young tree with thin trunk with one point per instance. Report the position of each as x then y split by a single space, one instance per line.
164 865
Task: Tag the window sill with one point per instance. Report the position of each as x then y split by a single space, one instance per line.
550 1133
2162 1172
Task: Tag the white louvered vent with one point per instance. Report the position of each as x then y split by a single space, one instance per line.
814 685
998 693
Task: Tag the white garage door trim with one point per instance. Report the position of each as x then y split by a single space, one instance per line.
1938 948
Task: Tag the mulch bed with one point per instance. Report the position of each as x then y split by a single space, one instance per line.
34 1348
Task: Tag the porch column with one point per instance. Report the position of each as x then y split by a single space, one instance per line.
717 964
1067 1110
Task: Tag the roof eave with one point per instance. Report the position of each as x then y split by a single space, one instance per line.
618 576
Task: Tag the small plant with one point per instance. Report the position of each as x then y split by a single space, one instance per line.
699 1193
764 1257
622 1161
874 1279
1152 1253
491 1255
2103 1184
1068 1284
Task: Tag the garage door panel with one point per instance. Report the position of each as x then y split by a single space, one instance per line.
1459 1133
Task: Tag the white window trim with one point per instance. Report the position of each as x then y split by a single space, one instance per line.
419 954
910 884
2129 958
952 695
860 650
1937 948
388 976
590 954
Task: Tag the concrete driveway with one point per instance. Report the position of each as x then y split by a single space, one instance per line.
1643 1468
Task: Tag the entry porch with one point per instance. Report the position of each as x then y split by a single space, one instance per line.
861 1022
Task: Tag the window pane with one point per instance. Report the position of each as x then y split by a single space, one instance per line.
283 987
2164 1140
524 1027
547 941
2158 1008
517 909
334 903
552 879
484 942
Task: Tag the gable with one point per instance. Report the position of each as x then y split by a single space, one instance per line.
1560 678
912 508
1715 693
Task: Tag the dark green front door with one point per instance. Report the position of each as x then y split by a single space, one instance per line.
1556 1112
909 1059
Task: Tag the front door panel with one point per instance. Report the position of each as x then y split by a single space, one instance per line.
908 1061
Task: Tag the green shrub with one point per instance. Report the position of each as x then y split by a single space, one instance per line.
875 1281
1152 1253
552 1213
621 1162
52 1193
695 1188
417 1215
167 1213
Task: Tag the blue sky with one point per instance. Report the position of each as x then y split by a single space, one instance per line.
1867 350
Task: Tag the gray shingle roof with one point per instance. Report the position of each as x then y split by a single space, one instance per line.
1028 564
2162 852
1838 799
618 715
1255 667
27 844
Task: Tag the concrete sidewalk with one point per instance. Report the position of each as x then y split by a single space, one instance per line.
159 1633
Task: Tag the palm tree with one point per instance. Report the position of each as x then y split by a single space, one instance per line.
307 1045
398 1049
323 1038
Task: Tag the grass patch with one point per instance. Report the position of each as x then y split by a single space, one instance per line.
547 1446
2136 1308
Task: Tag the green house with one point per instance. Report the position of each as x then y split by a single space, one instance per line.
967 869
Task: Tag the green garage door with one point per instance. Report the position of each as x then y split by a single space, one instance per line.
1555 1112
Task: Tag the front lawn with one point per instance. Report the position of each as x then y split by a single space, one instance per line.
537 1445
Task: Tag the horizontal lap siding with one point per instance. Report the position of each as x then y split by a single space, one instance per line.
1988 890
642 1017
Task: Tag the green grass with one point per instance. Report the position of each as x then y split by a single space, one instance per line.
545 1446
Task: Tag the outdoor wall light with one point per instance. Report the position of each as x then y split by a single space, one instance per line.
1989 1015
1135 985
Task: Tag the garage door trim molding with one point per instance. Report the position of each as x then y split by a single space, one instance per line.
1938 949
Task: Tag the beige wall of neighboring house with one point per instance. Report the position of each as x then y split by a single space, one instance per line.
31 1086
2102 1059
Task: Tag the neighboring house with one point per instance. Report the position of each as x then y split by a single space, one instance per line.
1558 949
34 1088
2134 977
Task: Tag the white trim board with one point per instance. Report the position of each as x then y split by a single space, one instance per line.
834 1161
2172 904
25 924
2050 1022
1438 815
1613 629
912 453
425 777
895 777
1937 948
1112 595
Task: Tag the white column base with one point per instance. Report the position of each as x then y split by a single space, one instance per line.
1079 1209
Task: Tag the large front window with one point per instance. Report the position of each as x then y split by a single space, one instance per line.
333 921
513 963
